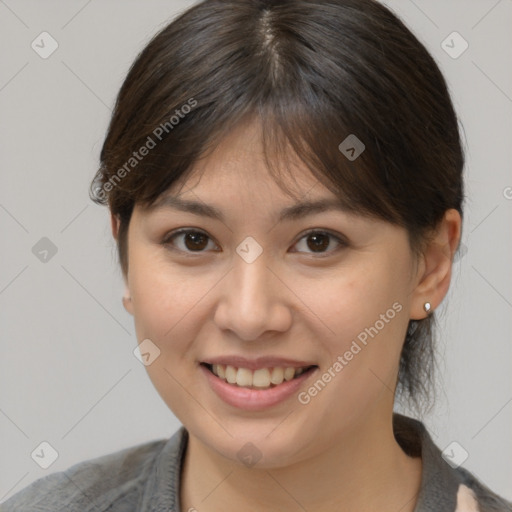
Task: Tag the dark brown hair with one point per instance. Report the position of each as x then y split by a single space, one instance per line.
314 73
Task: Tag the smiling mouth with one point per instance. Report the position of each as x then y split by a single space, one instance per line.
262 378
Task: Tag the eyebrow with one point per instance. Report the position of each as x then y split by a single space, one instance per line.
294 212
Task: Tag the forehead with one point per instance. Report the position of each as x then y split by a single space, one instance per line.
233 183
238 166
236 176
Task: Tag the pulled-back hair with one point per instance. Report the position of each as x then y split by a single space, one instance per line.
313 73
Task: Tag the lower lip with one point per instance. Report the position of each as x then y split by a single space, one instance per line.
254 399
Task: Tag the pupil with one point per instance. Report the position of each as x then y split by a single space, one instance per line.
196 239
320 245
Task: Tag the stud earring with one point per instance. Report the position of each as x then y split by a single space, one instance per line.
427 307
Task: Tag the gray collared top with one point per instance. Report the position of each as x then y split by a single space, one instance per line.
146 478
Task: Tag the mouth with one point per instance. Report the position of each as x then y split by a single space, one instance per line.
260 379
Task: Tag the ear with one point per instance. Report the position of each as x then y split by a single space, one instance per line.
435 270
115 222
127 300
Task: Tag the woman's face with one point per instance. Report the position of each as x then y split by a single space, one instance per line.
252 286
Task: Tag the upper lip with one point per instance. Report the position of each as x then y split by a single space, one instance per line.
258 362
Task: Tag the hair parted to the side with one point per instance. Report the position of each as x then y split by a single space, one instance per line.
312 72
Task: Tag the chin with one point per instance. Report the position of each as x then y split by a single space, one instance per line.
259 448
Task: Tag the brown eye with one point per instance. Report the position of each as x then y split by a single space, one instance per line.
188 240
195 241
319 242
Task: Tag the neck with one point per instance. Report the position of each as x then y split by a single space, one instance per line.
366 471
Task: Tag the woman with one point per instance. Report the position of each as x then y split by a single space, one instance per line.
286 233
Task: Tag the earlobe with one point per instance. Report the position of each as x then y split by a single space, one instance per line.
434 281
127 301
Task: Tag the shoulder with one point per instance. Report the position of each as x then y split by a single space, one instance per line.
444 484
94 484
474 493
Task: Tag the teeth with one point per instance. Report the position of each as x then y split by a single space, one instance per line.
230 374
289 373
261 378
244 377
220 370
277 376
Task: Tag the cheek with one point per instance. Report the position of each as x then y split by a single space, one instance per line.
351 300
169 311
363 315
170 302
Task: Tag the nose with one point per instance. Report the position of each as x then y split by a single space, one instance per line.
253 300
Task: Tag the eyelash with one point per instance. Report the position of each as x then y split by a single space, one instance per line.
174 234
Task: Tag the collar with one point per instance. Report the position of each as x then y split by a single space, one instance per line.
439 482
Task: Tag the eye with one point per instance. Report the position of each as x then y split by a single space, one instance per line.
191 240
194 241
318 241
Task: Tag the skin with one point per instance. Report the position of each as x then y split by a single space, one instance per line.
337 452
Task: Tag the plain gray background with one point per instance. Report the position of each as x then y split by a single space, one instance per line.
68 375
